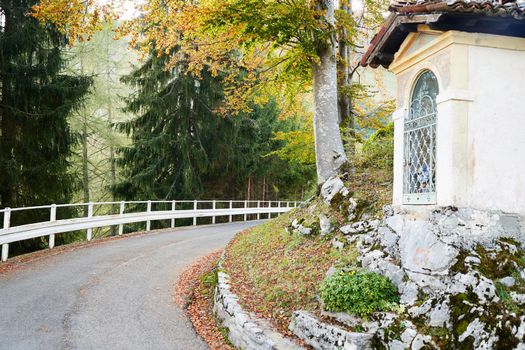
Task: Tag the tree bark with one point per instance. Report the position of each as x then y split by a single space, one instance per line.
249 189
264 189
329 149
85 166
112 168
85 169
346 119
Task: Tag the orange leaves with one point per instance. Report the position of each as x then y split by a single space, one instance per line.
275 273
78 19
196 296
259 47
252 45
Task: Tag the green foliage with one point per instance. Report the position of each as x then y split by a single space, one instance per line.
283 270
378 150
171 135
210 279
358 292
181 148
297 145
372 180
36 101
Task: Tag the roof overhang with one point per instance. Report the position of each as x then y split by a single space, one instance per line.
438 17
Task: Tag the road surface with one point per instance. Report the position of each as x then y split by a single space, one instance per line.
114 295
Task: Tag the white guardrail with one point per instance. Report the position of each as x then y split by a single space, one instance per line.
212 209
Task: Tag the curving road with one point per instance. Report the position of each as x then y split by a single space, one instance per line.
114 295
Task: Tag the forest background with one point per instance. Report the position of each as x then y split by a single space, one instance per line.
100 121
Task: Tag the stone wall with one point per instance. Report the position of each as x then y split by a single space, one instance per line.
323 336
246 331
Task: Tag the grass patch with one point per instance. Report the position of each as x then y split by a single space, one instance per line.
275 273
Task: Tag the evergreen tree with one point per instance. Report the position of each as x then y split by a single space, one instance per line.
182 149
174 122
36 99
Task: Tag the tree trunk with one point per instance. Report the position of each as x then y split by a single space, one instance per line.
346 119
345 81
7 193
249 189
264 189
112 168
85 170
329 151
85 167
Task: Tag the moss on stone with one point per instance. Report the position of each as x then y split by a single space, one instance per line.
461 316
495 269
460 266
393 332
340 204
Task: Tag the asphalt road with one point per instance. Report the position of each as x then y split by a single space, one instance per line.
114 295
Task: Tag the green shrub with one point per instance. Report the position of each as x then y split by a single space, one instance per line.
358 292
378 150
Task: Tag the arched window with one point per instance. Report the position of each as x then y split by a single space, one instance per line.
420 142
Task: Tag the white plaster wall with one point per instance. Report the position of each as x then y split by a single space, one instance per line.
480 122
397 191
496 129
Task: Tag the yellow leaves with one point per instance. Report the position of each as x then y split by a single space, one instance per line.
298 144
78 19
254 45
237 40
260 48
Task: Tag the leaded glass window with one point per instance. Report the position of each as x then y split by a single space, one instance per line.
420 142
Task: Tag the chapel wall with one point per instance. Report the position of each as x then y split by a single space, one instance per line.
496 129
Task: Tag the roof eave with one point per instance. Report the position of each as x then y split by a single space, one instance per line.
375 56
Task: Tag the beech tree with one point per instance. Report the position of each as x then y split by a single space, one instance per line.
278 48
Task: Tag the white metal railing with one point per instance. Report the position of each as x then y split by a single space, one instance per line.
214 209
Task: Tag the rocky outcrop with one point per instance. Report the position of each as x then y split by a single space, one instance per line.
246 331
323 336
333 187
300 229
459 273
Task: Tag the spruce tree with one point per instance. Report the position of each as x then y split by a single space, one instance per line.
181 149
36 99
174 126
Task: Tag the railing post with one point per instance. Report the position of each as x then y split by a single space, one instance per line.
7 222
258 213
269 207
148 222
195 209
214 204
52 217
90 214
245 206
173 208
231 206
121 226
